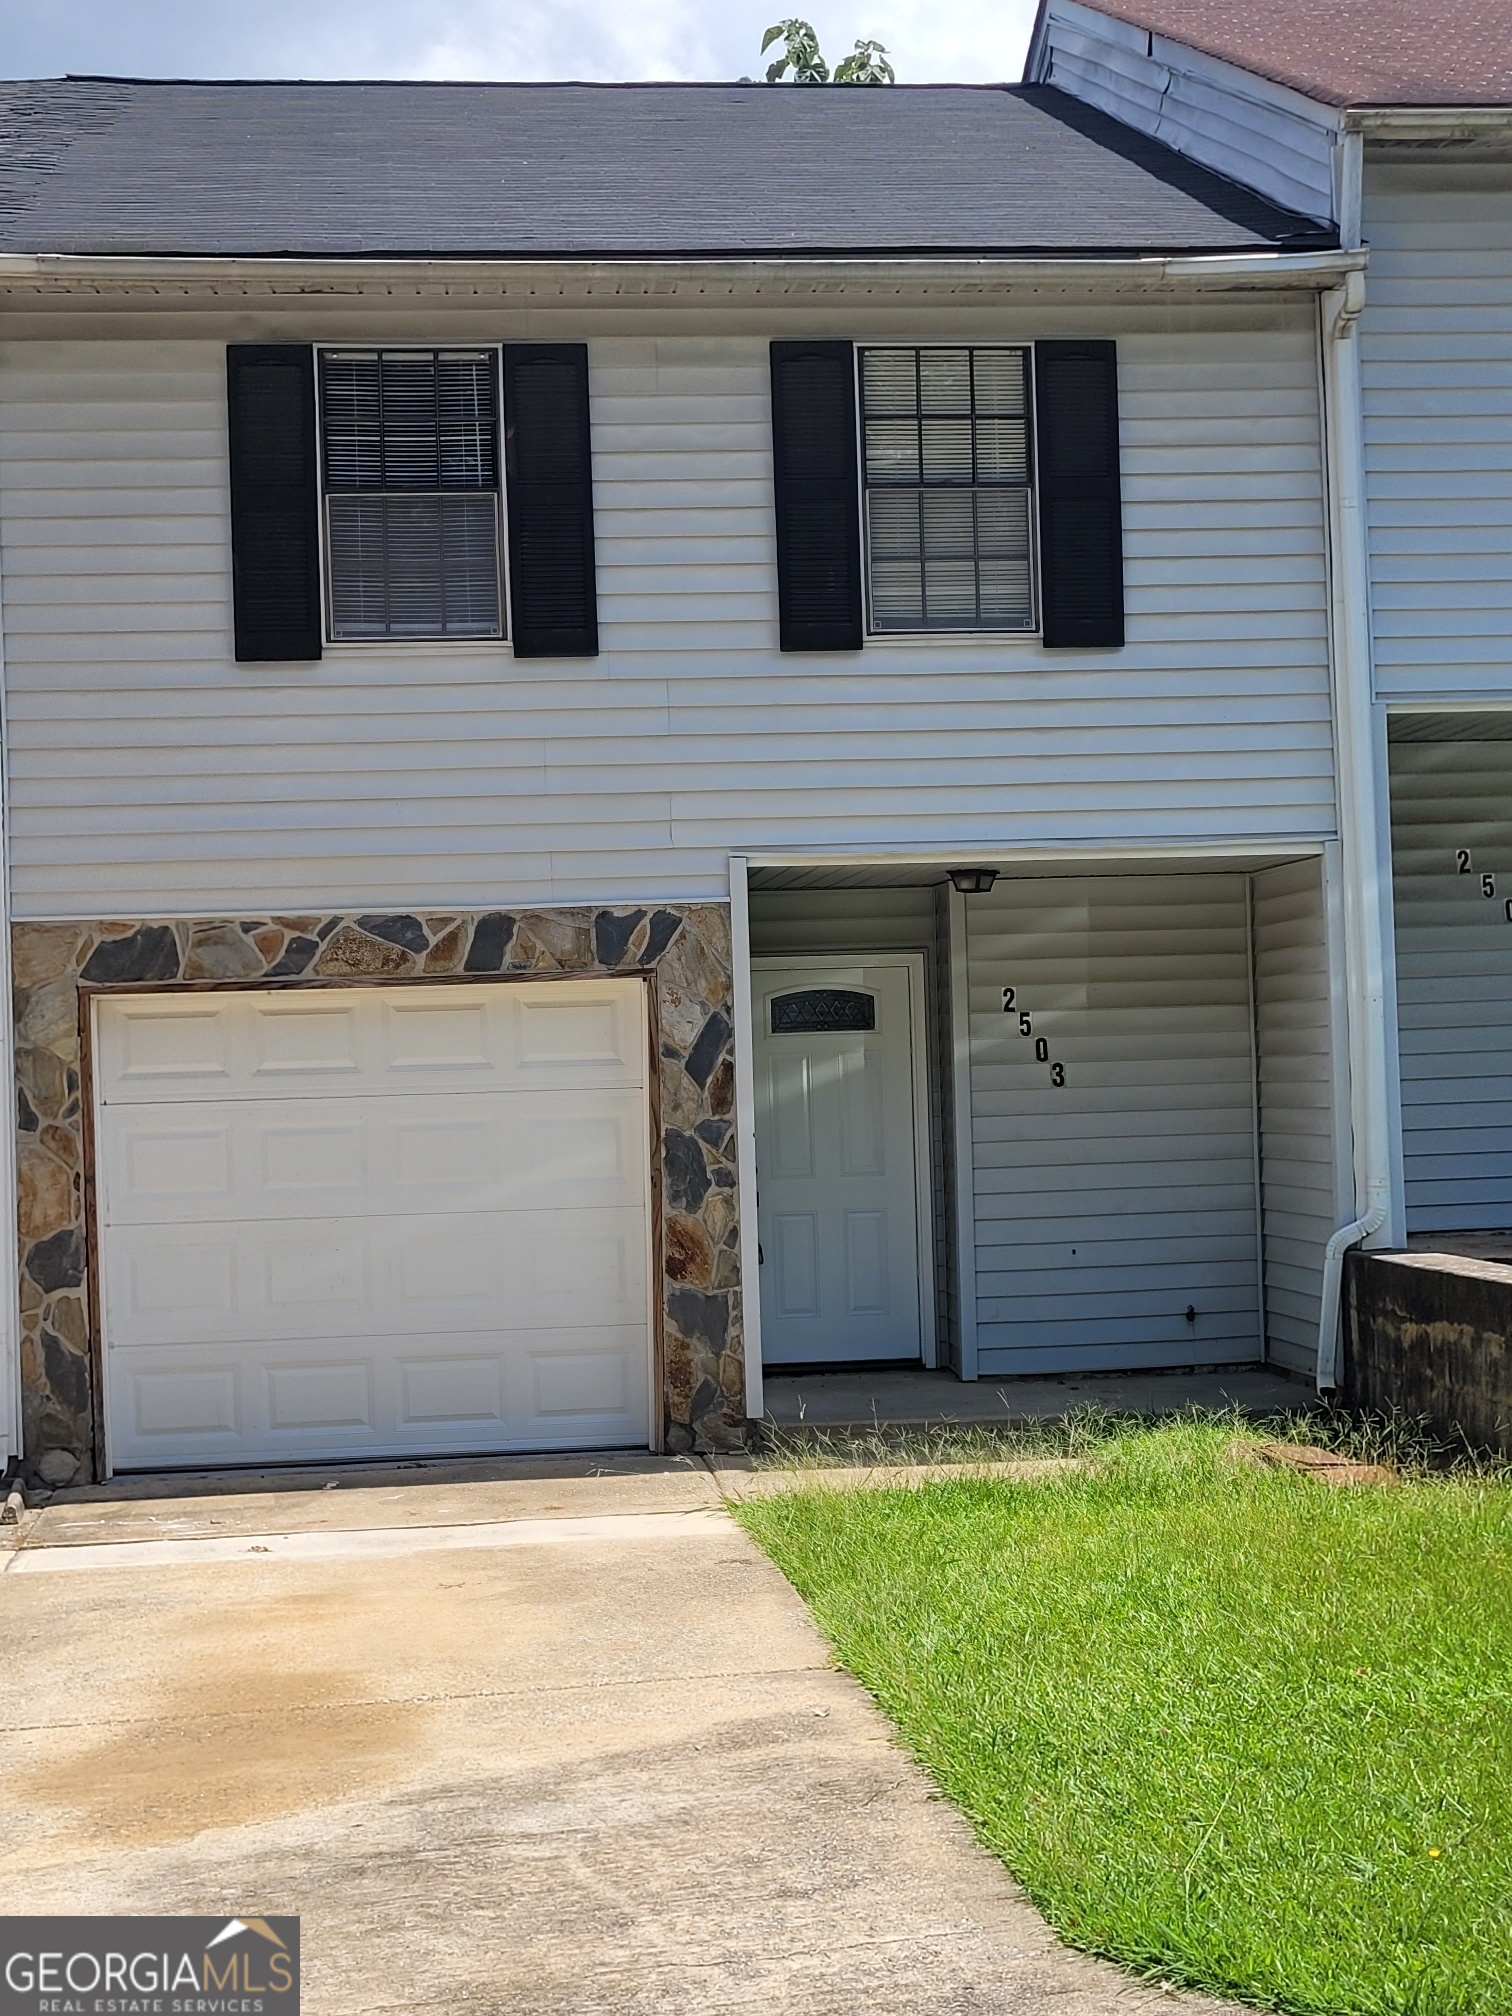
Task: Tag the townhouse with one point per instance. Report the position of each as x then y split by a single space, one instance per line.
658 731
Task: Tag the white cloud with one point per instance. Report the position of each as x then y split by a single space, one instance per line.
930 40
586 38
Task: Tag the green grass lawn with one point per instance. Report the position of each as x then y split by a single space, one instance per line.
1232 1727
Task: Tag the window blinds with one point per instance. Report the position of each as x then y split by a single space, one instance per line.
410 442
946 436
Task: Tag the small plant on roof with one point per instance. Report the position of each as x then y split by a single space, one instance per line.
801 57
868 65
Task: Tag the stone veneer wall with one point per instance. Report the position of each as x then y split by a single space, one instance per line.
686 946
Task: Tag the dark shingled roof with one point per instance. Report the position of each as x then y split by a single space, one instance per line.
202 170
1349 52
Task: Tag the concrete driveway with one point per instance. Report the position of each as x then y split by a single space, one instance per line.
546 1738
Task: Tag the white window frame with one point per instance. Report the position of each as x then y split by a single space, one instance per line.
501 639
926 633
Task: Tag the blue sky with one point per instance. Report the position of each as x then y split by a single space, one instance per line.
973 40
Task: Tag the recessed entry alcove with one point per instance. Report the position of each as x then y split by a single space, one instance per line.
1086 1119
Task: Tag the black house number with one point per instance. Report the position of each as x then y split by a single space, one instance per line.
1041 1043
1465 865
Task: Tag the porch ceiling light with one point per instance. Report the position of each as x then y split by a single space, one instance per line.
973 881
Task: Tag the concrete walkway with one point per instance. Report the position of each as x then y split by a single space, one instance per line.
911 1397
523 1737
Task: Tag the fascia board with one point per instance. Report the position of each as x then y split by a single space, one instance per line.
1430 122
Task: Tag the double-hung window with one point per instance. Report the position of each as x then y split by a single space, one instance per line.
947 477
411 493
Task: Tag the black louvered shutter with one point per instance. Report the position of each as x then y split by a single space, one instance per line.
275 512
1080 518
818 510
548 467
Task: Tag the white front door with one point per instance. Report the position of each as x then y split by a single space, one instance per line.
384 1221
837 1161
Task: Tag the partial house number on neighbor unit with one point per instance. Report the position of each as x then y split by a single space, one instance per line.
1466 866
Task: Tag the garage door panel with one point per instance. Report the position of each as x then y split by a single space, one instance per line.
377 1277
436 1391
517 1036
312 1395
175 1402
191 1047
179 1164
373 1223
564 1276
331 1158
316 1040
315 1399
163 1048
578 1390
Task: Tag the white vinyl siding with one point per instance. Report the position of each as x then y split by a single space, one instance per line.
1239 125
842 920
1454 981
1299 1149
1107 1207
151 775
1437 363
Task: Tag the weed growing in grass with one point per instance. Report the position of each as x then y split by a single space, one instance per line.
1229 1726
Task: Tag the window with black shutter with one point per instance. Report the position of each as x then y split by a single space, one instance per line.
947 470
411 493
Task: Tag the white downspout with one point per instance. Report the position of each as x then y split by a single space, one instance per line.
1364 831
1333 1282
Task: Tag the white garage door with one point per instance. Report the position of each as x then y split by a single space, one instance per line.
380 1221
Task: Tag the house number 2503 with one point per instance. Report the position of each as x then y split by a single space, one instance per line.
1041 1043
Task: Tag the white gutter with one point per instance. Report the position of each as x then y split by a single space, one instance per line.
1242 270
1363 823
988 853
1428 122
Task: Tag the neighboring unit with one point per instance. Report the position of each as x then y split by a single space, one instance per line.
1395 124
655 731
